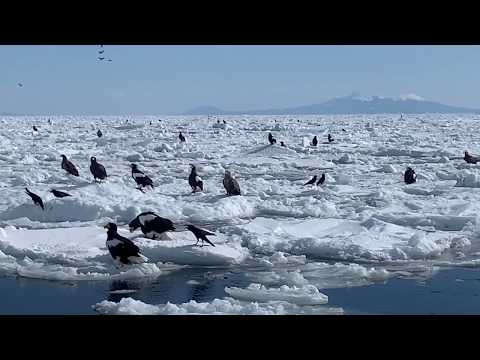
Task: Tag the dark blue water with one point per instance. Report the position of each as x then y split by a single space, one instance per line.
452 291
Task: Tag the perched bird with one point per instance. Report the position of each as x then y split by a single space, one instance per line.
194 180
344 130
321 180
152 225
99 133
109 60
181 137
470 159
101 58
37 200
50 121
410 176
230 184
140 178
200 234
59 194
282 144
314 141
271 139
123 250
98 170
150 122
224 122
330 139
68 166
311 181
20 84
101 51
35 128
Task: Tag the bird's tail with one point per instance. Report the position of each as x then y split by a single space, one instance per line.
208 241
140 259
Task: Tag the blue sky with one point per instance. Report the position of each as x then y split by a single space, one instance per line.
172 79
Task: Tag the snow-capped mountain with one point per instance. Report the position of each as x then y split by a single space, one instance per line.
352 104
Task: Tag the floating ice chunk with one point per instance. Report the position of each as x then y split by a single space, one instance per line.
227 306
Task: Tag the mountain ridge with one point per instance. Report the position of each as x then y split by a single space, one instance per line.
351 104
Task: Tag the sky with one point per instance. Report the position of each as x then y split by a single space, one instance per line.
160 79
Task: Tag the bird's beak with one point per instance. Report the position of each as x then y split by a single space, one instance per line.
106 227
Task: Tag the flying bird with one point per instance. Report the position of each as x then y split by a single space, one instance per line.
230 184
59 194
152 225
101 51
68 166
194 180
181 137
470 159
20 84
140 178
37 200
410 177
98 170
314 141
101 58
321 180
200 234
311 181
122 250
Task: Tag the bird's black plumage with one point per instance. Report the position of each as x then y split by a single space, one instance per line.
282 144
98 170
68 166
35 128
37 200
151 224
181 137
200 234
410 177
194 180
321 180
311 181
59 194
99 133
470 159
122 249
315 141
140 178
330 139
271 139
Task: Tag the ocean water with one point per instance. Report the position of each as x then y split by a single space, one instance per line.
450 291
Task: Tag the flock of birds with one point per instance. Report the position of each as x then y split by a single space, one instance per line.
123 250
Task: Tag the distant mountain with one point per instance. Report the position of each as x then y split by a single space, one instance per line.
352 104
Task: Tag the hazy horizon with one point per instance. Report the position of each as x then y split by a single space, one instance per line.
168 80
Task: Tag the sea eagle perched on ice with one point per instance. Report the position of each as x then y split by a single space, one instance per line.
470 159
181 137
68 166
315 141
152 225
321 180
271 139
98 170
410 177
99 133
123 250
194 180
230 184
140 178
